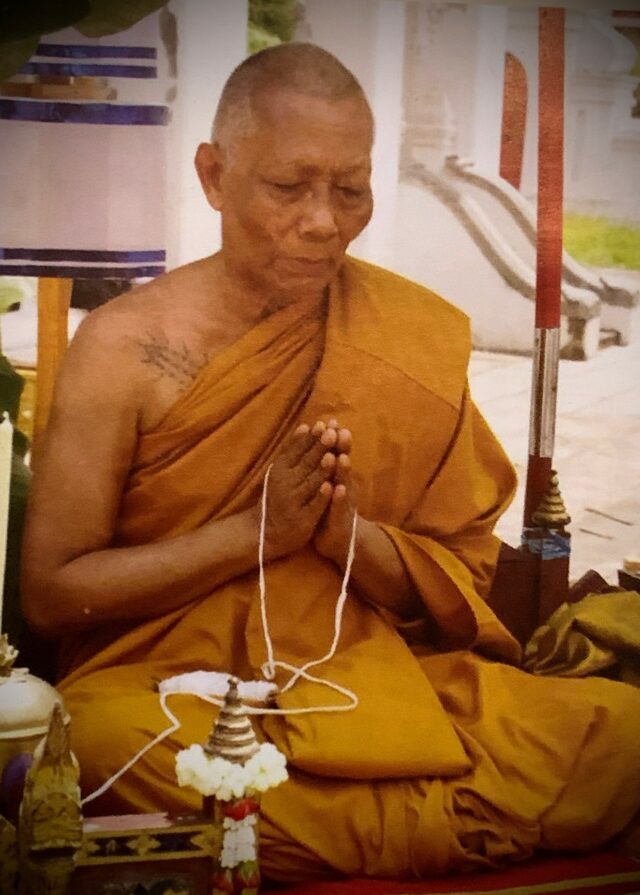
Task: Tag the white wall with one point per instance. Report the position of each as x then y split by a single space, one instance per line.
212 40
368 37
602 141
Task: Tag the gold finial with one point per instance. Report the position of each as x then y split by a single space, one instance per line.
232 736
50 813
631 563
8 655
552 512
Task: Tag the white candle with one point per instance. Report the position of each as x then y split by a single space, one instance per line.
6 448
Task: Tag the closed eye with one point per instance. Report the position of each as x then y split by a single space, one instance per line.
351 192
286 187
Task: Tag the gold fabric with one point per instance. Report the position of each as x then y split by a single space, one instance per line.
453 758
599 633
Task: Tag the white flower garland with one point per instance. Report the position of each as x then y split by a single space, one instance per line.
239 841
227 780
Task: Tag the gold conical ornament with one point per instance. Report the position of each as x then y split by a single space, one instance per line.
50 814
231 771
551 512
233 739
232 736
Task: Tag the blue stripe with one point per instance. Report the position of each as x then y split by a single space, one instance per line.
552 545
53 112
115 257
79 273
86 51
78 69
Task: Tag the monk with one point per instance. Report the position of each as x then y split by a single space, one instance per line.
347 384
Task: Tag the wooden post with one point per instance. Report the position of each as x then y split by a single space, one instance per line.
514 120
54 299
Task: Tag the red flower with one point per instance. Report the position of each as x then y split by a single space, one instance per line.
223 881
248 874
241 808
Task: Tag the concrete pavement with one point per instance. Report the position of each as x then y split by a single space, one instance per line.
597 448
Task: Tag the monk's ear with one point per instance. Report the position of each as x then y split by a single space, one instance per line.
209 162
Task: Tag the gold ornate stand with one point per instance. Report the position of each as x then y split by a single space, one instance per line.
55 851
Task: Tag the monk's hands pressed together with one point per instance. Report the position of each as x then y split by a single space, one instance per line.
333 534
311 499
377 570
300 488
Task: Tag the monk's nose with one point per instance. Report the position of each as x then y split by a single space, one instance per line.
317 219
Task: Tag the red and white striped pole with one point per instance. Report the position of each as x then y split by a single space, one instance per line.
549 256
544 535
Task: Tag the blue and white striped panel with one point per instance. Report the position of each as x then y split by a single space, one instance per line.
94 61
64 112
101 61
94 51
76 185
80 200
82 263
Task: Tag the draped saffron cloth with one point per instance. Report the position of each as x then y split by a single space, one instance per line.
453 758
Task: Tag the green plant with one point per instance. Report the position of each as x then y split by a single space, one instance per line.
271 22
11 384
22 24
601 241
279 17
259 39
10 294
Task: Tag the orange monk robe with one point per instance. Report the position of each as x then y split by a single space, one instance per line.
453 758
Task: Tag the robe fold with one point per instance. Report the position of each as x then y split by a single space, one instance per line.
453 757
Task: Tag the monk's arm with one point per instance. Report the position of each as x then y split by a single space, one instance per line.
129 583
445 555
73 574
379 573
447 542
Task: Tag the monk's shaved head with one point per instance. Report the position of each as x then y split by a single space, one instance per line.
301 67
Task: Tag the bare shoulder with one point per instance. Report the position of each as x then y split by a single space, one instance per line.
124 323
148 345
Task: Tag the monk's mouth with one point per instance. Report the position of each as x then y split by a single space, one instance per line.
308 265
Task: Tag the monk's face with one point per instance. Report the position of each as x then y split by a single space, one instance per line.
294 191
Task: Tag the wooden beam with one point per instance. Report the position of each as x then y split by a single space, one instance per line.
54 299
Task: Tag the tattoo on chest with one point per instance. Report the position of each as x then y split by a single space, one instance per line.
181 364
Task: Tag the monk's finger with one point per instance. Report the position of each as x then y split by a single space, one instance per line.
318 427
329 437
326 489
317 477
315 449
328 463
342 471
300 442
344 441
320 500
339 494
325 432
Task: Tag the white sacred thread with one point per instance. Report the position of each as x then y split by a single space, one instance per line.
175 725
269 667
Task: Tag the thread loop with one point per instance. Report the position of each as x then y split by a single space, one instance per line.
268 668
